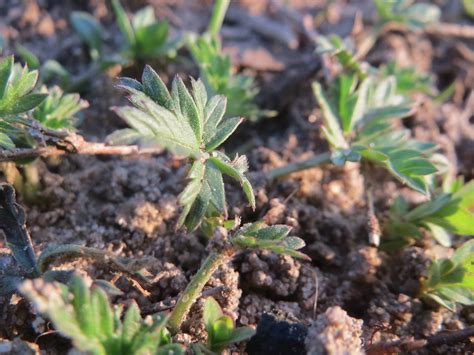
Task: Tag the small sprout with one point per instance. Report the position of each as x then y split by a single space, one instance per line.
90 31
415 16
16 99
86 317
145 36
220 328
190 124
444 214
451 281
59 110
216 71
275 238
357 124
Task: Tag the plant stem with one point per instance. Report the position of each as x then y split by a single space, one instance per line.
218 14
317 160
194 288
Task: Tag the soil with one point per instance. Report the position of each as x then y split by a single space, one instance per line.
128 205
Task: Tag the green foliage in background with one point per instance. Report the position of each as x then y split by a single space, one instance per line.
145 36
451 280
448 212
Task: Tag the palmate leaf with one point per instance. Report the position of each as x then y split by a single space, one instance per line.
86 317
189 123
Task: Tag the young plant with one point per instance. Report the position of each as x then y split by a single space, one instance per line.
216 70
16 100
250 236
358 120
221 330
91 33
145 36
448 212
451 281
59 110
189 124
401 13
415 16
86 317
21 108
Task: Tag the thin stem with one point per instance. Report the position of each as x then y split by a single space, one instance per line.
317 160
194 288
217 18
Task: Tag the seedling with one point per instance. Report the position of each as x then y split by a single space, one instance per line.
401 13
451 281
253 235
221 331
16 99
94 326
216 70
22 108
358 118
145 36
59 110
415 16
191 125
448 212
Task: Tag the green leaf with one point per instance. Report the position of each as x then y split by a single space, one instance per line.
333 128
131 323
238 335
213 177
440 234
6 69
101 308
88 29
24 104
211 313
183 102
231 169
224 130
6 142
277 232
151 38
123 22
29 57
83 308
458 214
154 87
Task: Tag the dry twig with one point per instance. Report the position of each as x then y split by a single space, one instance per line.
73 144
